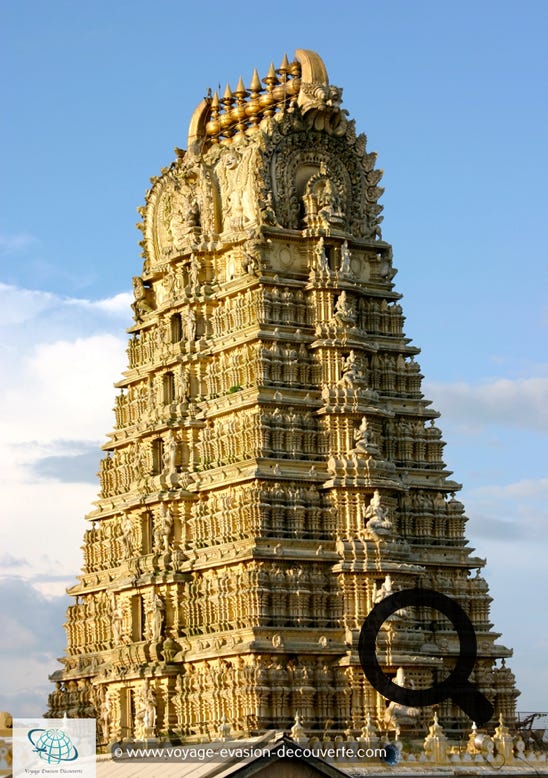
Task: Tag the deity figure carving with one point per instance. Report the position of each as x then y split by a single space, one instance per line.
150 708
117 620
322 202
396 714
385 590
184 382
185 216
171 453
156 612
351 373
346 258
240 195
320 256
105 709
166 524
377 522
194 275
190 326
252 255
169 282
127 534
145 714
344 310
142 299
362 440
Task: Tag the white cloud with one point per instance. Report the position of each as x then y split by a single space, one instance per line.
117 305
63 390
521 402
58 356
20 305
60 359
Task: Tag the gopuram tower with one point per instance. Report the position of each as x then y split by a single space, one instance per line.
275 469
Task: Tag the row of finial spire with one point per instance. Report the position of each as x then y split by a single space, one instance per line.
241 108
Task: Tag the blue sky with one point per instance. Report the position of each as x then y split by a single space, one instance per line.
451 95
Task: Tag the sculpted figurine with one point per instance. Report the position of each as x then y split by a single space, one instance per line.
186 215
377 522
329 205
171 452
362 439
350 371
396 714
166 520
156 615
385 591
346 258
322 262
117 617
190 326
142 304
239 187
252 255
344 310
194 275
150 707
322 202
184 382
127 534
104 717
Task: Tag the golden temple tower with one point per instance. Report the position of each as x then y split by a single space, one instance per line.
275 469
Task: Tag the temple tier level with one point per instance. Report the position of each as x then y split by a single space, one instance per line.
274 470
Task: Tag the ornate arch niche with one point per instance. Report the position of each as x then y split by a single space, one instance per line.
319 187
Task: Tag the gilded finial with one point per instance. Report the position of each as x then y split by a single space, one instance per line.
226 118
255 85
240 90
213 126
283 70
253 108
271 78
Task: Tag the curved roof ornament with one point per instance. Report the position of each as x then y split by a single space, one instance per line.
197 126
313 70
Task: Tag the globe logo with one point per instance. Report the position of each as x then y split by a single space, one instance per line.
392 754
53 745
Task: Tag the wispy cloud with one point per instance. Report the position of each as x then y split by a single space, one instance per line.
116 306
8 560
516 512
68 468
520 403
12 244
20 305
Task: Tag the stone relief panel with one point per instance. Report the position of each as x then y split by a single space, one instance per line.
287 257
319 182
236 172
179 210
